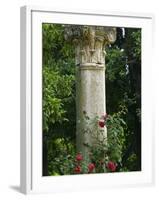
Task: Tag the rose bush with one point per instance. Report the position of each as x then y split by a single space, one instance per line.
91 167
106 152
111 166
104 156
101 123
79 157
77 169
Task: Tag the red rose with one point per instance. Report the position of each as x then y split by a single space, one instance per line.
79 157
77 169
101 123
91 167
111 166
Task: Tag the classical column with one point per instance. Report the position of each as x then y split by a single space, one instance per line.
89 43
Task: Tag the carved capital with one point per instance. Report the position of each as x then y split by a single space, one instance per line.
90 42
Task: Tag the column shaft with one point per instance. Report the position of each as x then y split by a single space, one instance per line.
90 99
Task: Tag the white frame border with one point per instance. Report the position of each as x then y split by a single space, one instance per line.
30 183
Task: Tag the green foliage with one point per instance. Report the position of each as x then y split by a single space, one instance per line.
123 80
61 156
104 149
109 148
58 94
133 44
115 70
116 137
55 48
56 91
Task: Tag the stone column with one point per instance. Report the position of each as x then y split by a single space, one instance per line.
89 42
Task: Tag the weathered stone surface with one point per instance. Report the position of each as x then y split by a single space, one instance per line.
90 97
89 42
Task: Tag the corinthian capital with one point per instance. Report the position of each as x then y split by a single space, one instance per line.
90 42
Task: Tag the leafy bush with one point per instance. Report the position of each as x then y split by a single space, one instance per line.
56 91
105 155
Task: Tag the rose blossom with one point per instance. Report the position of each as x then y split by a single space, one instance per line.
77 169
79 157
101 123
91 167
111 166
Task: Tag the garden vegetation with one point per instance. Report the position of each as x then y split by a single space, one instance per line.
122 150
